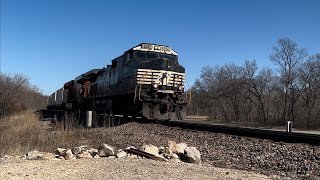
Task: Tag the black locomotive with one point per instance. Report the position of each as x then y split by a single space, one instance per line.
147 82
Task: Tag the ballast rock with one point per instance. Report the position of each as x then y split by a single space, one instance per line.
121 154
61 151
68 155
48 156
151 149
34 155
84 155
180 147
76 150
192 155
106 150
177 148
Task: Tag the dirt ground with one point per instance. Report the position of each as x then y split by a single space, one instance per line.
105 168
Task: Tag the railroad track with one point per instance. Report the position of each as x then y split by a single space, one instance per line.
278 136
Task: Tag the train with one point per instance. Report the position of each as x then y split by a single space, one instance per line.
146 81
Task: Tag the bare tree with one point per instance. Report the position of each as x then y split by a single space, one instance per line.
287 56
16 94
309 83
248 94
249 70
233 87
211 91
262 90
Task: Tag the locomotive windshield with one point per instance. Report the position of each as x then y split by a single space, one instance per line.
170 57
142 55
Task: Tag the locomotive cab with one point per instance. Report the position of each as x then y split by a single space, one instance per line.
159 82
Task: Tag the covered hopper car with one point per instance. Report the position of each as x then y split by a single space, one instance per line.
147 81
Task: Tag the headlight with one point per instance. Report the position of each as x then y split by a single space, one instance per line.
155 86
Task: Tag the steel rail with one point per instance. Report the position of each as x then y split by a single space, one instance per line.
278 136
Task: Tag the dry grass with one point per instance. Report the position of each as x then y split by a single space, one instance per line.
23 132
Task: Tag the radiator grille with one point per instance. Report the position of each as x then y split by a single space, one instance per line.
160 77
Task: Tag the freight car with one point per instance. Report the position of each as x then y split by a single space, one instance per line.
147 81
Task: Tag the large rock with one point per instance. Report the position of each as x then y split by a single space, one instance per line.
84 155
79 149
121 154
76 150
48 156
192 155
68 155
177 148
180 147
172 146
151 149
174 156
106 150
34 155
93 152
167 150
61 151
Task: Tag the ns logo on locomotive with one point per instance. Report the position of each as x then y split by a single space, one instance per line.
147 81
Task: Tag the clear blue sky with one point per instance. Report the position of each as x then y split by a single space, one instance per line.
53 41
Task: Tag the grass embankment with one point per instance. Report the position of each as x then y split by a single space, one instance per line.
23 132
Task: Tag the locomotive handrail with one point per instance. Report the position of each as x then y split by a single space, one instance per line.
189 90
139 92
135 93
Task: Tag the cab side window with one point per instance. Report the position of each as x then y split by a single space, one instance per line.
140 55
128 57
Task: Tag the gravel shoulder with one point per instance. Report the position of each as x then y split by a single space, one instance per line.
116 169
220 153
287 160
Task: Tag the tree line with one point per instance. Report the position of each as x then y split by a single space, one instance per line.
18 94
249 94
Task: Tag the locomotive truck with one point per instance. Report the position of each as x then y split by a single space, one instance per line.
146 82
